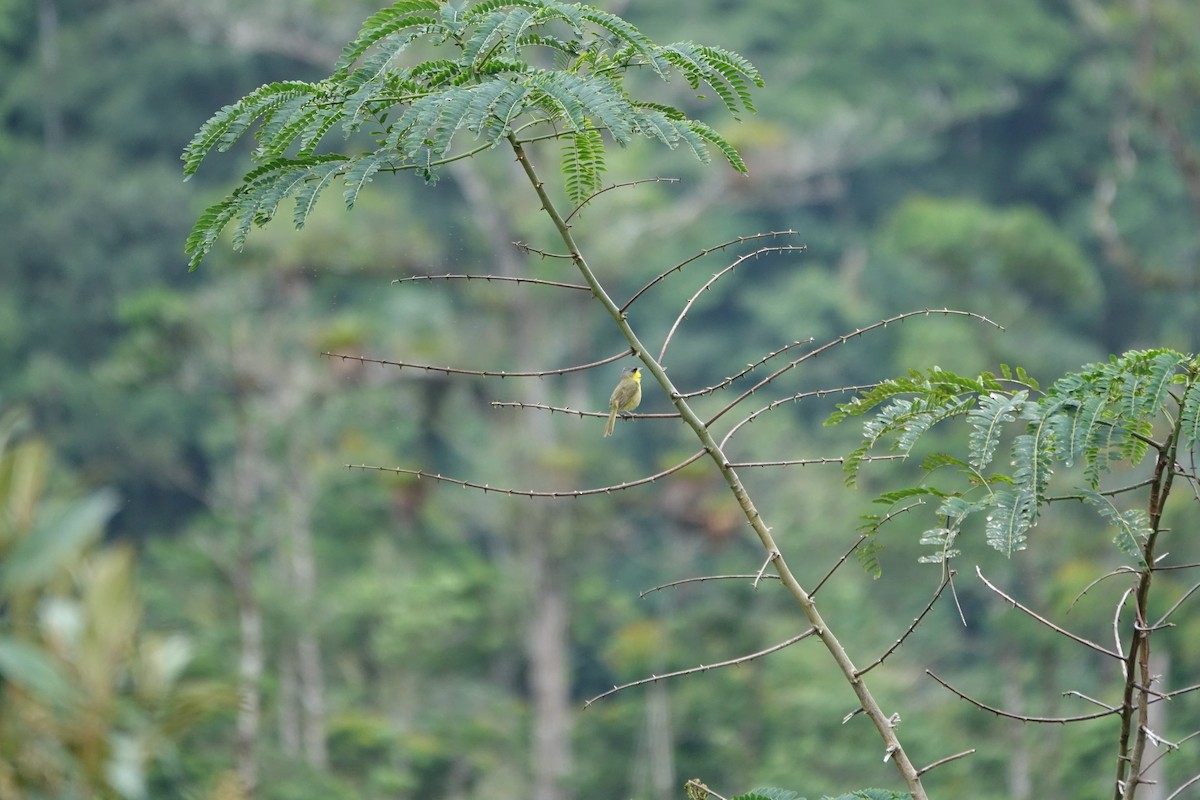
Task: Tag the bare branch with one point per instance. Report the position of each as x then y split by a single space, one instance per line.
1116 626
486 488
578 413
1173 608
908 632
1193 780
771 557
802 462
1092 700
1108 492
945 760
1178 692
783 248
704 578
739 240
599 192
751 367
703 667
479 373
491 279
1176 746
862 538
1118 571
1178 603
528 248
1013 602
793 399
954 593
1176 566
1020 717
843 339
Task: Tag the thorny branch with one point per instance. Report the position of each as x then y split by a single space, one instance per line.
703 667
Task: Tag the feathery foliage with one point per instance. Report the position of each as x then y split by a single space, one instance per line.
519 70
1105 414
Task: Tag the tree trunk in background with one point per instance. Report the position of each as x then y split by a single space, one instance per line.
1154 785
52 124
246 491
543 544
660 758
549 672
289 705
309 673
250 671
1020 761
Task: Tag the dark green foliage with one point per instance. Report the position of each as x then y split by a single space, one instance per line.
1104 414
491 86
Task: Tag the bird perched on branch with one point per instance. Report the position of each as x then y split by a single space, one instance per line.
625 397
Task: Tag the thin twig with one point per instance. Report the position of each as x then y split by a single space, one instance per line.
1178 603
486 488
704 578
1021 717
1073 637
861 538
908 632
762 251
793 399
492 279
599 192
751 367
843 339
1164 754
479 373
703 667
577 412
1092 700
771 556
1118 571
739 240
954 593
945 760
1189 782
528 248
1178 692
1176 566
1106 493
808 462
1116 626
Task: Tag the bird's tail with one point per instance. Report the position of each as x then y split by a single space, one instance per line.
612 421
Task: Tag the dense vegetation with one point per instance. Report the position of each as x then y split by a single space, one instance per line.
1036 166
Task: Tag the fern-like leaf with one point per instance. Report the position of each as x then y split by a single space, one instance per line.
1010 516
225 127
360 172
708 134
383 23
715 68
319 177
1133 525
1189 416
991 413
582 164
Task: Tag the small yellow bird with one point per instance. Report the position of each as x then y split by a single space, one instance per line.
625 397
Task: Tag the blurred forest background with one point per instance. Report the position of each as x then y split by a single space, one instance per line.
199 597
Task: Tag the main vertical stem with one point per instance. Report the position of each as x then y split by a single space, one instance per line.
894 750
